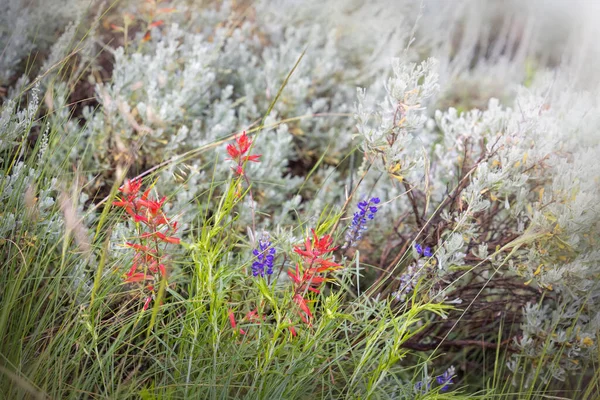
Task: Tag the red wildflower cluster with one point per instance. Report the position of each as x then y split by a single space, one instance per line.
148 262
315 249
311 276
238 152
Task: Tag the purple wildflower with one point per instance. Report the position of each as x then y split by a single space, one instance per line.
446 378
422 387
423 251
366 211
265 255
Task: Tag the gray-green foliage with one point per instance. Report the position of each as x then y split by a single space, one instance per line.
30 26
183 90
527 171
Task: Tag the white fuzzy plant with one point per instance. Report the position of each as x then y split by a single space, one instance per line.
533 165
29 26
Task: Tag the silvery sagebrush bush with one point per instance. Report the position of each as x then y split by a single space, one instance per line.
182 90
37 204
29 26
187 119
37 208
15 122
513 174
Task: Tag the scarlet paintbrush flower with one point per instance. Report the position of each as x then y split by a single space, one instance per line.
253 158
234 324
315 249
310 277
238 169
140 247
232 320
132 270
147 303
168 239
131 186
233 151
148 262
155 24
153 206
139 277
253 316
119 203
295 276
140 218
292 330
238 152
298 299
243 142
307 281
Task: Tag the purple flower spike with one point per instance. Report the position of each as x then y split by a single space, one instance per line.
265 256
446 379
366 211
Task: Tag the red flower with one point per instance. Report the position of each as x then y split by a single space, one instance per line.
243 142
233 323
147 303
253 158
233 151
312 276
238 170
232 319
298 299
168 239
307 281
119 203
140 247
138 277
253 316
153 206
238 152
150 255
315 249
131 186
156 23
140 218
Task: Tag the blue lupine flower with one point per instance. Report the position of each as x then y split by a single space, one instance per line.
446 378
419 249
366 211
265 255
422 387
423 252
